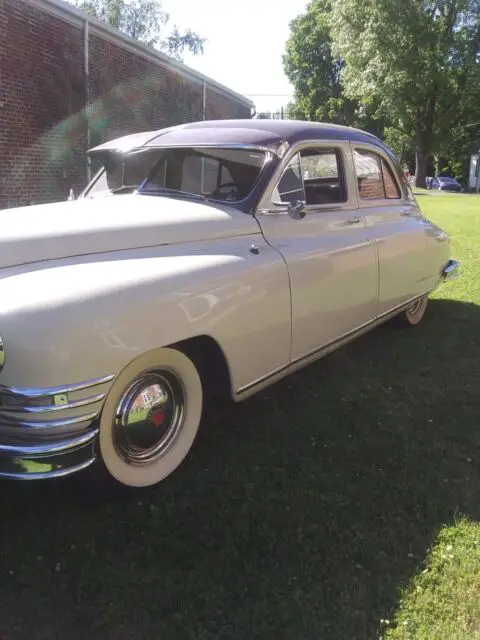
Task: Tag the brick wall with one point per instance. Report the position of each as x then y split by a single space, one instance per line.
44 115
219 107
42 91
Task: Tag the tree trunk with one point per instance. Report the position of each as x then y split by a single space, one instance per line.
421 160
424 140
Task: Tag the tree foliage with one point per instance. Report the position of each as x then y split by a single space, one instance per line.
312 69
316 74
418 59
144 20
409 69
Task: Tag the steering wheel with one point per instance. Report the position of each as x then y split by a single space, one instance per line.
217 191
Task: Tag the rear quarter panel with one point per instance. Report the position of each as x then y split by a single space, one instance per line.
437 253
437 243
411 250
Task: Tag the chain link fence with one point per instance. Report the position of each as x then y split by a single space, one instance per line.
282 114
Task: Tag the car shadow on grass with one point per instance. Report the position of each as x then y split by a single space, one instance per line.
299 515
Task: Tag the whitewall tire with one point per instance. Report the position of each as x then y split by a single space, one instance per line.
150 418
413 315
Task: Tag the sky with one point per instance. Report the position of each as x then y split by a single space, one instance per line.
246 40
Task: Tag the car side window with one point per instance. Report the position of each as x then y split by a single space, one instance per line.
392 190
314 176
290 186
323 176
374 176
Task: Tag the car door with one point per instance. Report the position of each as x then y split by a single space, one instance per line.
331 261
395 225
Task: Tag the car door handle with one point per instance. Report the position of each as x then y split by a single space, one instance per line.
354 220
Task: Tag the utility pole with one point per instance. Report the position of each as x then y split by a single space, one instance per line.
477 171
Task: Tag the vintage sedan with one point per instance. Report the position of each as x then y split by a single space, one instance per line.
204 259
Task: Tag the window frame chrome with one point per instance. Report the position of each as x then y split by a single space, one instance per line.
266 204
378 202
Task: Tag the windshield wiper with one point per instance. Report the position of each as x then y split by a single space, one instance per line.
124 189
171 192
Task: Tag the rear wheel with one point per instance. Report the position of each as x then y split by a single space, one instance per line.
150 418
413 315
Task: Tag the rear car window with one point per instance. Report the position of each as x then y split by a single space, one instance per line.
375 179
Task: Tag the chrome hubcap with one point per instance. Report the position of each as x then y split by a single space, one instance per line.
149 417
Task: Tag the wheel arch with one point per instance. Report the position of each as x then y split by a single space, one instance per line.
211 362
209 359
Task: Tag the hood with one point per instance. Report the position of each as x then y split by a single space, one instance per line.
112 223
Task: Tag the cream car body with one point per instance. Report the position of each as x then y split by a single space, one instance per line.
219 293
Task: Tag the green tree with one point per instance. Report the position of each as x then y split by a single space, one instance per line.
316 74
313 70
144 20
418 60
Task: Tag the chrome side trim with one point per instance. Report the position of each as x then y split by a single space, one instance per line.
316 354
83 402
450 270
25 392
271 374
45 475
8 421
47 448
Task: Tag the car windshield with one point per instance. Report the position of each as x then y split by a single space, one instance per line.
224 174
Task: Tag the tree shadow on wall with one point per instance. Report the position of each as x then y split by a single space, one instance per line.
299 514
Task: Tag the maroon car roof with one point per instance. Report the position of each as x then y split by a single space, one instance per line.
261 133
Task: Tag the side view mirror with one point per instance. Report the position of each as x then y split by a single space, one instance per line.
297 209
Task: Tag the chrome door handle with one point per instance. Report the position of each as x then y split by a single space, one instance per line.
354 220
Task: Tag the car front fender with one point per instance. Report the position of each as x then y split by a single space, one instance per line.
77 319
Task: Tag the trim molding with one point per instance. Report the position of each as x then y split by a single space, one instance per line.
276 375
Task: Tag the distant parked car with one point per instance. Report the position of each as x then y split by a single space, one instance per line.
445 183
207 258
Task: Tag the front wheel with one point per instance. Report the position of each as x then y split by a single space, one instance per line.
150 418
413 315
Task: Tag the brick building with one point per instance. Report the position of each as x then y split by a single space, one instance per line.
68 82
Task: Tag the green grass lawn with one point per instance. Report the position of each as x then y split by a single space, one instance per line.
345 496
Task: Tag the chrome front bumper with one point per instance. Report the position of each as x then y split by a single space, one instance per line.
49 432
450 270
